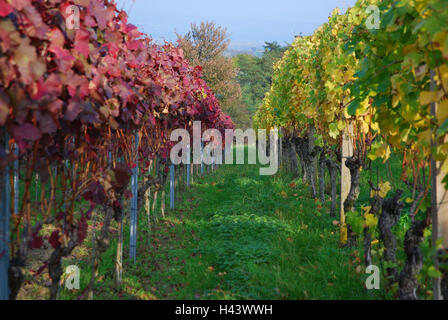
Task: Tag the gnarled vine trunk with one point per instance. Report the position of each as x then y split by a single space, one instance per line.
333 169
15 273
293 159
376 205
408 282
354 165
391 213
300 144
55 265
102 241
322 164
308 153
285 153
15 276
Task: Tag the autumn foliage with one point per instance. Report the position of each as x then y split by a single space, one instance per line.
73 99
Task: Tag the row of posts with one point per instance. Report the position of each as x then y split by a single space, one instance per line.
172 184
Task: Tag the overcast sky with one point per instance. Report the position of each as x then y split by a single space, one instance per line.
249 22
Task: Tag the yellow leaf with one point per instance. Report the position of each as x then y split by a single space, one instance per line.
444 167
371 220
409 200
372 156
442 111
424 137
443 70
440 38
409 48
383 152
395 100
384 189
375 126
366 209
405 135
365 127
427 97
410 114
341 125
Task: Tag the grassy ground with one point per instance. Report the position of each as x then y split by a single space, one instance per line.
237 235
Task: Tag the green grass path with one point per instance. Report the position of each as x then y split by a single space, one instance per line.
239 235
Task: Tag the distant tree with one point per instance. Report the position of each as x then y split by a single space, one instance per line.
273 52
255 74
205 45
273 47
251 79
204 42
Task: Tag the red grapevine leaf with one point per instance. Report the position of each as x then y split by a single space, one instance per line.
55 107
54 239
128 195
73 110
24 56
100 14
4 108
64 59
82 42
46 123
122 175
5 8
56 38
26 132
82 229
20 4
36 242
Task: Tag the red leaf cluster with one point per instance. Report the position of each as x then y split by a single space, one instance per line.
105 73
65 92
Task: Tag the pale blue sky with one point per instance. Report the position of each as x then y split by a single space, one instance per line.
249 22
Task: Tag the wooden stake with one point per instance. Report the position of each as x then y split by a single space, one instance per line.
347 152
439 204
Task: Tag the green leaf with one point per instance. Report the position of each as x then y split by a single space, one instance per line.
433 272
443 128
334 132
353 107
356 222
